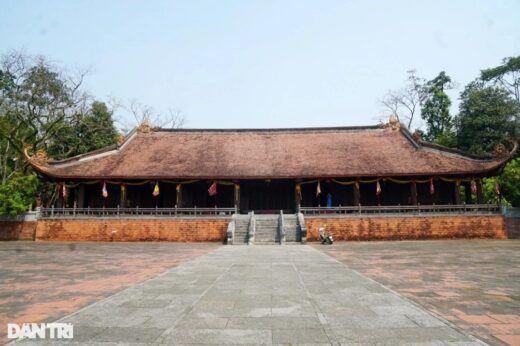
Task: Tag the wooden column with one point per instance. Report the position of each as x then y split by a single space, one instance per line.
413 191
178 201
80 196
237 196
122 195
59 196
456 192
357 199
480 193
467 193
298 195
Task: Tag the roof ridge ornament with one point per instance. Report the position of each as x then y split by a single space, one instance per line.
40 158
120 139
393 123
145 126
500 151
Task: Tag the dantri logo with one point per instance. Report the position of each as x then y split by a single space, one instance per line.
40 331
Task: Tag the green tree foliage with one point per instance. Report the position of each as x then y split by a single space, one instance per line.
506 75
486 118
45 108
509 185
17 194
489 114
435 110
89 131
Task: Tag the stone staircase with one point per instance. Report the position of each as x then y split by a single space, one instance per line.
266 229
241 236
292 230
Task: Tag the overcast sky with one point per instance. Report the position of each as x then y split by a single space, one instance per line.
263 63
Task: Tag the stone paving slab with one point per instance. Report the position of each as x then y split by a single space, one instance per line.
260 295
474 284
43 281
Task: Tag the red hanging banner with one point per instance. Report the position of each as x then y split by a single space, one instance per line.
156 191
473 186
212 191
104 191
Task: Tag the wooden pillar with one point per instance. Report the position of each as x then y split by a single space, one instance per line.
59 195
480 193
80 199
456 192
467 193
298 195
122 195
413 191
178 201
357 199
237 196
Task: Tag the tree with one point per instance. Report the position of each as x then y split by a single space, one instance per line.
436 110
17 195
509 185
486 118
138 113
406 103
86 133
506 75
36 100
43 107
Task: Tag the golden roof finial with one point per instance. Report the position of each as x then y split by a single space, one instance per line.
393 123
39 158
145 125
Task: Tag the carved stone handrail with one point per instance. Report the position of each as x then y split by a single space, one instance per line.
303 229
67 213
281 228
251 228
230 234
403 209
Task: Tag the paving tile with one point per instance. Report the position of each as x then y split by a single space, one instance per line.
472 283
218 337
298 295
131 335
299 336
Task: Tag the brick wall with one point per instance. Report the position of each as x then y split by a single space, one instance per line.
181 230
397 228
513 227
17 230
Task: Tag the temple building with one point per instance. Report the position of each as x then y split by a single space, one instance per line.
268 170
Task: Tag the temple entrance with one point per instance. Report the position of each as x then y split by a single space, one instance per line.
267 196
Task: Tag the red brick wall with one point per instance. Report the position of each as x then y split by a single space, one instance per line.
513 227
17 230
396 228
181 230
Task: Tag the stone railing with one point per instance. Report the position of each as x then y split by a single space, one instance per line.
27 216
303 229
230 233
281 228
404 209
58 213
251 228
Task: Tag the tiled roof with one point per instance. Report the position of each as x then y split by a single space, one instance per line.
268 153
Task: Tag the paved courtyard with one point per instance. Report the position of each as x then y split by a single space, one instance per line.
473 283
261 295
45 281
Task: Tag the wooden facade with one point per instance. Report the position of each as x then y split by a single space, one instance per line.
268 170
